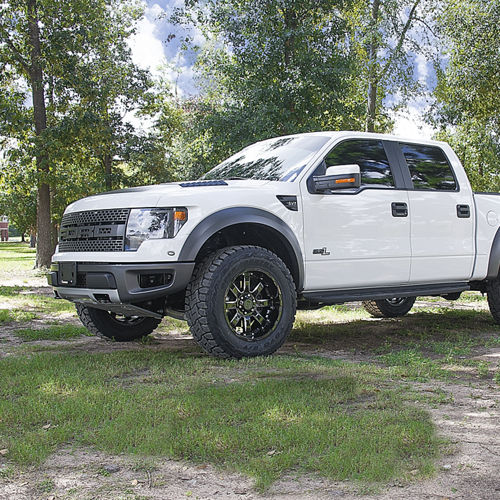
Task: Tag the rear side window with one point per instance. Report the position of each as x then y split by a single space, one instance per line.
429 168
369 155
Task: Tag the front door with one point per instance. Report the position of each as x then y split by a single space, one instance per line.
358 238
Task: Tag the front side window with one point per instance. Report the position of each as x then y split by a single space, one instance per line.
369 155
279 159
429 168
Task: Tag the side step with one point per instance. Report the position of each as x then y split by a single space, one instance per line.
356 294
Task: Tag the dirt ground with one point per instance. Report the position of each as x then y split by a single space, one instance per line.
470 419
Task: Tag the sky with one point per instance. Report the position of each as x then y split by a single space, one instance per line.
151 50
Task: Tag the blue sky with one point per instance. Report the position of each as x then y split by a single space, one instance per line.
151 50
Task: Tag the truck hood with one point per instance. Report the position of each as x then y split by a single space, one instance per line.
170 194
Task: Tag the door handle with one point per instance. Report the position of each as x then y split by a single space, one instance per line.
463 211
399 209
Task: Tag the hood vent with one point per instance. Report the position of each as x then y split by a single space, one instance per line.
202 183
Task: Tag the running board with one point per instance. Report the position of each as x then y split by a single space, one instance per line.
356 294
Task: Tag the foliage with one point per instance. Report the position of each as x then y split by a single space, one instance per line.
468 101
385 36
268 68
84 87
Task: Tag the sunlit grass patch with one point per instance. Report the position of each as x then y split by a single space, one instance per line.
303 415
54 332
11 315
25 298
413 364
16 257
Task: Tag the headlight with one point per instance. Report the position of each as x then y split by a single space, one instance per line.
153 224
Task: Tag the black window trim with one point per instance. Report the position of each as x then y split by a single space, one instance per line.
406 169
398 174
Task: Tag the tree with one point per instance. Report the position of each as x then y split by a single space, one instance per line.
385 36
74 59
269 68
467 97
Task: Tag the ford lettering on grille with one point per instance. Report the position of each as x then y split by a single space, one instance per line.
93 231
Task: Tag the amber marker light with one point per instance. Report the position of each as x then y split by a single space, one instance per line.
180 215
342 181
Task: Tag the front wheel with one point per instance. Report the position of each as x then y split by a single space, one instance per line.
241 302
114 326
389 308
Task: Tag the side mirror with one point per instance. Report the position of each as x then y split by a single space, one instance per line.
338 177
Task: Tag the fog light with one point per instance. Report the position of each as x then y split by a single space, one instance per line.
154 280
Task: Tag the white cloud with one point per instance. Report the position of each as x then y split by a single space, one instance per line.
422 66
147 48
410 123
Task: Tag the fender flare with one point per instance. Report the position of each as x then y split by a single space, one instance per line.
240 215
494 263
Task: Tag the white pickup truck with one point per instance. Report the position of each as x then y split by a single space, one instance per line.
300 221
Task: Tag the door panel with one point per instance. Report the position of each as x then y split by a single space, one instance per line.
442 242
367 244
442 216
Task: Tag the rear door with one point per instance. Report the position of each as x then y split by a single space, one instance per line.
441 216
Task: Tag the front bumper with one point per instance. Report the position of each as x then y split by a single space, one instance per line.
122 288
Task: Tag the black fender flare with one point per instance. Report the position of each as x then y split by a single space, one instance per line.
240 215
494 263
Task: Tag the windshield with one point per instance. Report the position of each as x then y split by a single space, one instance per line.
279 159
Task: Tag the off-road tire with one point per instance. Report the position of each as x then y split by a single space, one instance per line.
103 324
493 293
384 308
206 301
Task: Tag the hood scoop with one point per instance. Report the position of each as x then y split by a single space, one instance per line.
202 183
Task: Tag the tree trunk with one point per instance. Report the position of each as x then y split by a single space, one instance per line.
371 113
291 25
44 247
108 166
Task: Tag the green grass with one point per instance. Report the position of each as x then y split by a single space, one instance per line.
16 257
22 297
55 332
11 315
263 417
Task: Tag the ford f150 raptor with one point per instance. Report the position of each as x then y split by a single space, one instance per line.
298 221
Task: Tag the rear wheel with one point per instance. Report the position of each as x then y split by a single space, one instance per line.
241 302
389 308
114 326
493 292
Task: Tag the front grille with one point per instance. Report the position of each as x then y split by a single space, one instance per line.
93 231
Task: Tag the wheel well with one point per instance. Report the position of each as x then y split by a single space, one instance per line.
257 235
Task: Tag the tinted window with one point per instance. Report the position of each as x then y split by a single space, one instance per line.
279 159
429 168
369 155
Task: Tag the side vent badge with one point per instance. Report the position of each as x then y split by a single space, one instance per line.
290 202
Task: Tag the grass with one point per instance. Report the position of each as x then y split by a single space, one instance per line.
15 257
24 298
19 315
55 332
263 417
